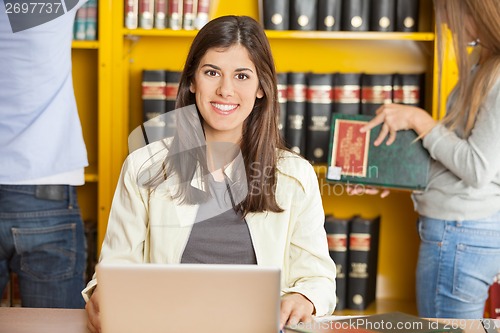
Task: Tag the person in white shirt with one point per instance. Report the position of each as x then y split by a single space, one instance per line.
42 157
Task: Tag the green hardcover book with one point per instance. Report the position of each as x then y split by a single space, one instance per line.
353 158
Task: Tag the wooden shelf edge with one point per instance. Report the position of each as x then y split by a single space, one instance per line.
85 44
159 32
293 34
350 35
91 178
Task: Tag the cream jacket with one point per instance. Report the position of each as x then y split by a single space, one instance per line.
150 226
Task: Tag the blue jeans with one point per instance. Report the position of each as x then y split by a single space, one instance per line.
457 263
42 240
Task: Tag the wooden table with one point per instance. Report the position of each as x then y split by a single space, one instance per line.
28 320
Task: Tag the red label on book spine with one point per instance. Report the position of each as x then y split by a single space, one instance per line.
376 94
337 242
320 94
282 93
359 242
154 90
297 93
171 90
406 94
348 94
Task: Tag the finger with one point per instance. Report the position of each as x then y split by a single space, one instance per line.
356 190
293 320
383 133
385 193
392 138
377 120
284 314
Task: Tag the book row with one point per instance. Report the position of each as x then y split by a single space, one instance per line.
163 14
307 102
85 26
353 244
341 15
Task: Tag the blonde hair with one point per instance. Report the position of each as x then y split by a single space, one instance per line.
471 92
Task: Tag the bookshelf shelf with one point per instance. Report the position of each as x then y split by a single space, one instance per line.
83 44
160 32
347 35
298 35
91 174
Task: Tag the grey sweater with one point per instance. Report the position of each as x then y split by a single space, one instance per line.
464 179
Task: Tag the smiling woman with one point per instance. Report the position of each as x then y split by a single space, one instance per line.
259 204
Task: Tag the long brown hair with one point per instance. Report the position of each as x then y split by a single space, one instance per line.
260 139
471 92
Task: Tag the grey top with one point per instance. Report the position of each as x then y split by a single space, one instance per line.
219 234
464 179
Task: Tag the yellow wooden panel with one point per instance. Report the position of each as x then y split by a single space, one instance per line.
87 199
85 86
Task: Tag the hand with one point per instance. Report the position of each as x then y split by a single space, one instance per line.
295 308
396 117
363 189
92 308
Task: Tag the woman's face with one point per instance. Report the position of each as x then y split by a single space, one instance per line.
226 86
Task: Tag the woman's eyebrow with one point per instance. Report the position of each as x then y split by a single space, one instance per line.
241 69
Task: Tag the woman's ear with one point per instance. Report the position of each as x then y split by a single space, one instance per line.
192 88
260 93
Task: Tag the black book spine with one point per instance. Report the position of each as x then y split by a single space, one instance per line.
355 15
346 93
407 15
172 79
363 260
282 100
318 117
296 112
329 15
376 90
276 14
153 93
407 89
383 14
337 232
303 14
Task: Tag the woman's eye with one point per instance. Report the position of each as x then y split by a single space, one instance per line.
211 72
241 76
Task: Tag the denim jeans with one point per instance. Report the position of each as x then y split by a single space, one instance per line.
42 240
457 263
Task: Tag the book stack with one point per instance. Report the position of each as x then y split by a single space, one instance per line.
85 26
163 14
340 15
311 99
159 94
353 245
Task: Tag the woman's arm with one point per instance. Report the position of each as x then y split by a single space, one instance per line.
312 271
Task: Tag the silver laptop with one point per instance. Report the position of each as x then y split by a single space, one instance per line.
188 298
